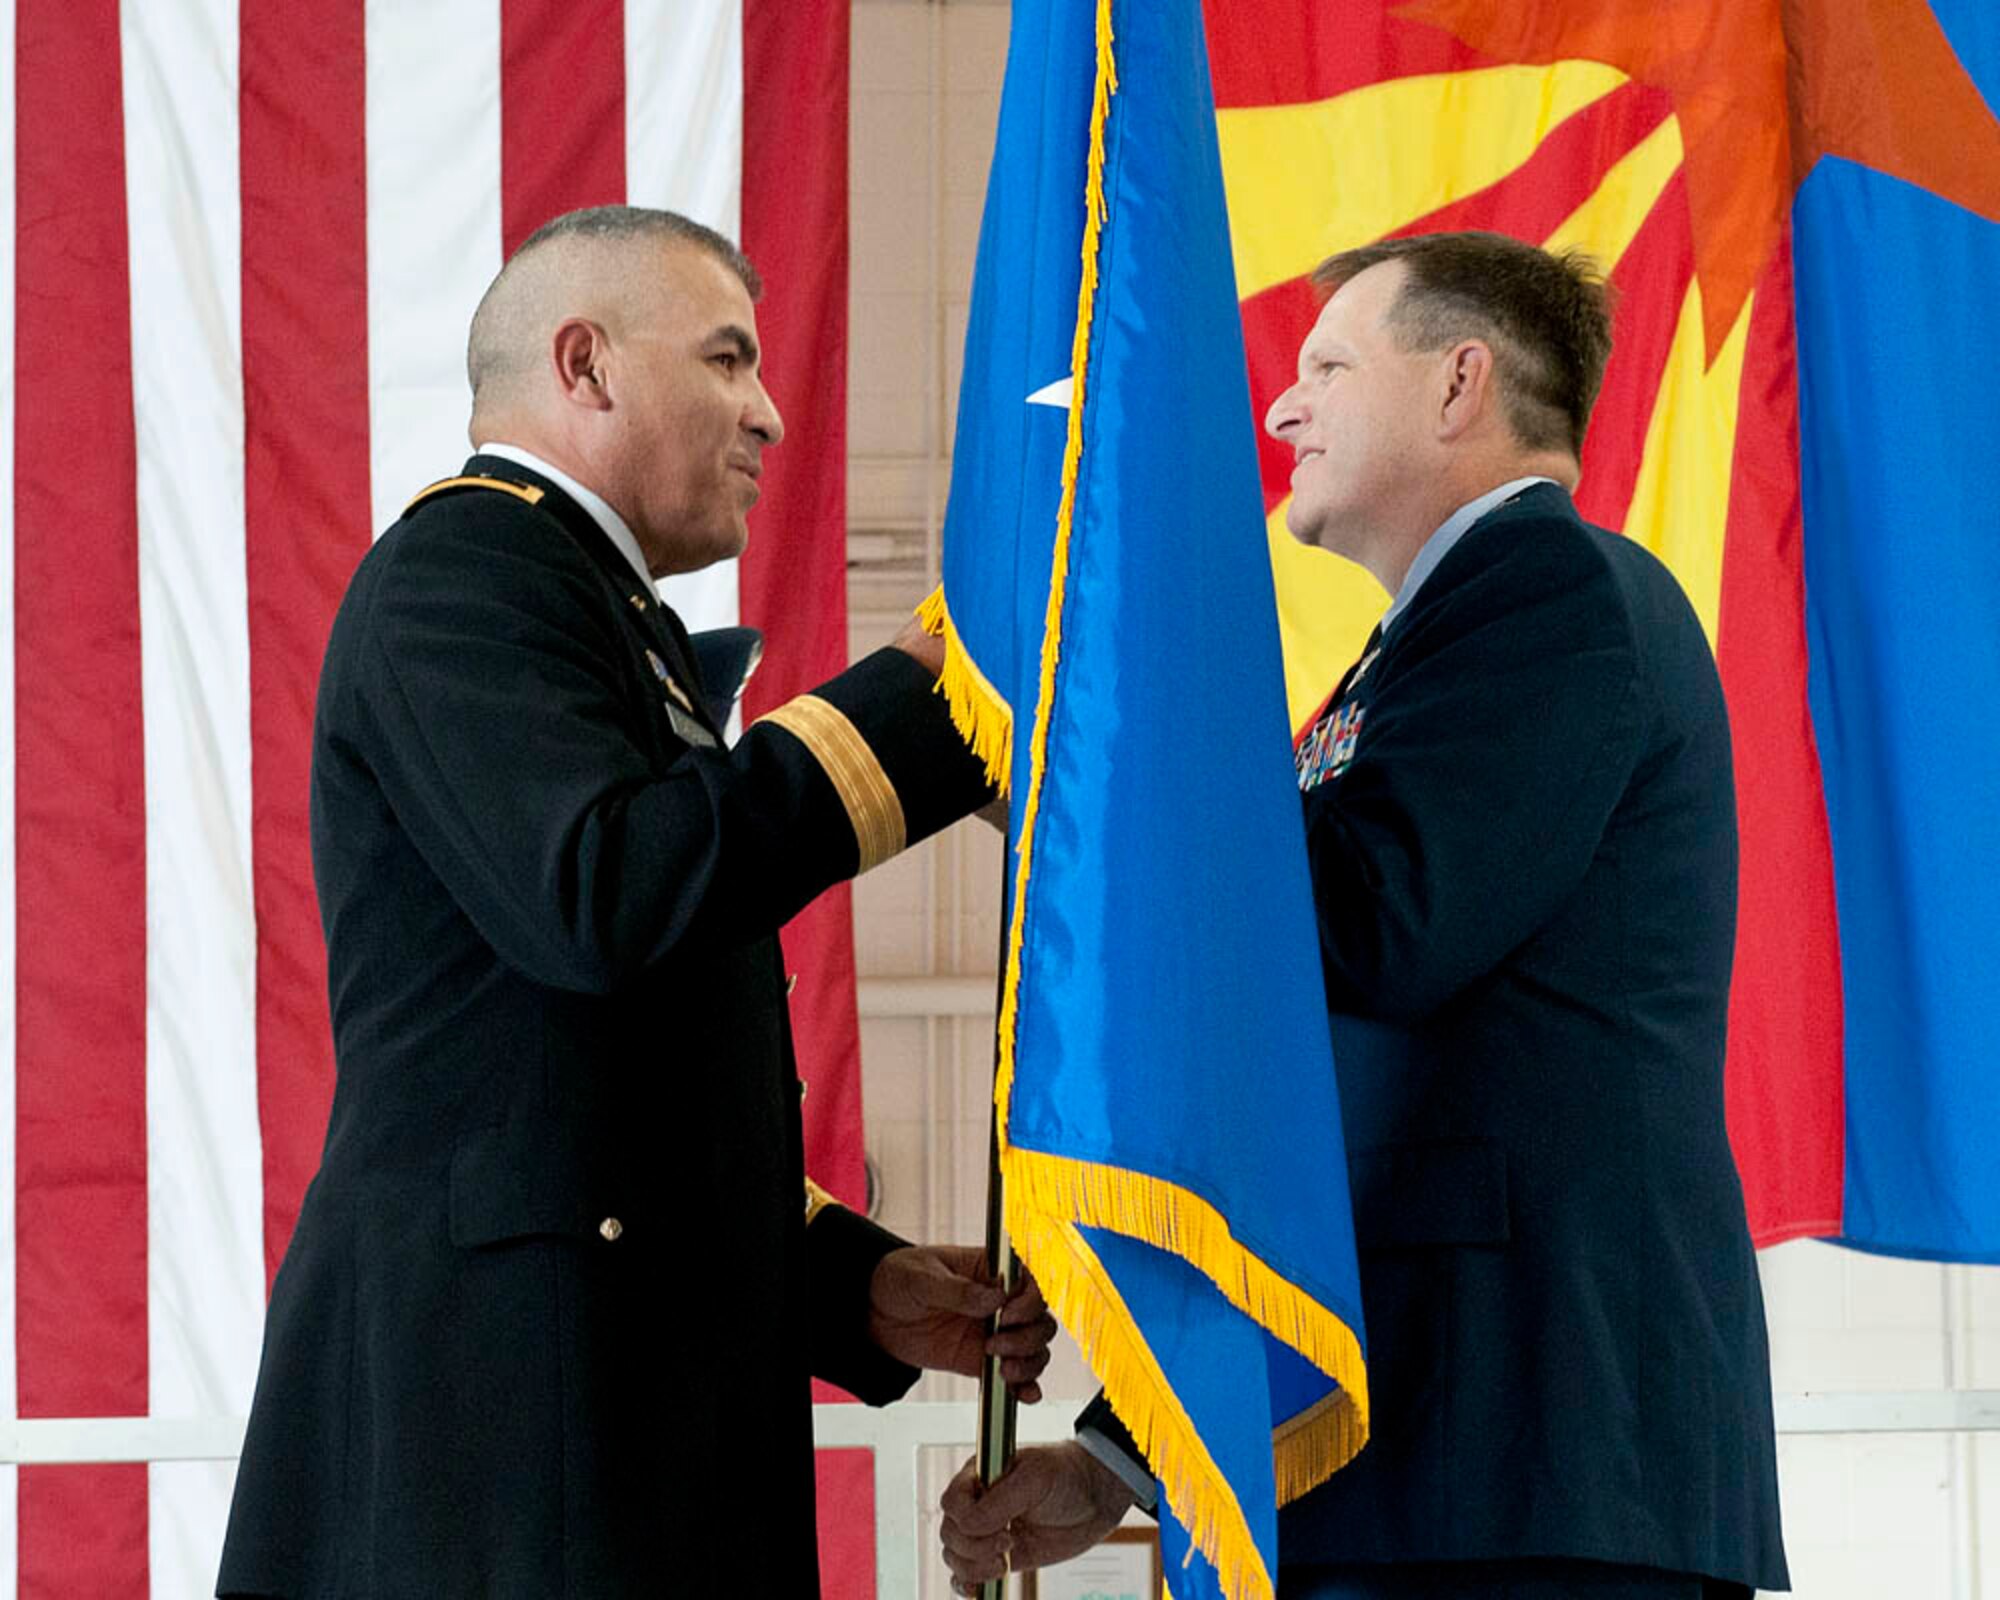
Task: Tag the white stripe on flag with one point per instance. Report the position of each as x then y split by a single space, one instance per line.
205 1278
433 231
684 151
10 1541
684 108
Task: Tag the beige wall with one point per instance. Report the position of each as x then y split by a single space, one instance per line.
1867 1517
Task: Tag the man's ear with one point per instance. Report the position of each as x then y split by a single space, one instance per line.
1468 387
578 352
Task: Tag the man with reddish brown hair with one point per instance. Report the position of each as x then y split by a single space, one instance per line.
1521 828
1546 319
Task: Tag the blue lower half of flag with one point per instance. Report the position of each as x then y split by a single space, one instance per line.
1902 563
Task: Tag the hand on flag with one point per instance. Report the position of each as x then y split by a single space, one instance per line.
928 649
1055 1501
930 1305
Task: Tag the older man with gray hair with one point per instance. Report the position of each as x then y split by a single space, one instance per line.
546 1324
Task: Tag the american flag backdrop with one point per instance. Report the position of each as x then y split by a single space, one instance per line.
243 242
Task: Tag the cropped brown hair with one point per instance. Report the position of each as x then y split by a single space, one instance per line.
1547 319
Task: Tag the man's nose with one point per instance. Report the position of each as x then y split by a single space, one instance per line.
1285 414
762 417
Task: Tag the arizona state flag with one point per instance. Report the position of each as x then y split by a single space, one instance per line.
1171 1141
1799 204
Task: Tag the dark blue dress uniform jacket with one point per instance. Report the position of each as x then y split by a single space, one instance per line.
1526 883
546 1325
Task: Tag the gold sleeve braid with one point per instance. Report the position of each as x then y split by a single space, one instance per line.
873 809
817 1200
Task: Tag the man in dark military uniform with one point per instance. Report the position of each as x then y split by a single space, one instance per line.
547 1322
1521 829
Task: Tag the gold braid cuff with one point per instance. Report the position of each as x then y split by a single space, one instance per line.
873 809
817 1200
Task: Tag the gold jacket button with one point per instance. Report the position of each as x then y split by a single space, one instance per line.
611 1228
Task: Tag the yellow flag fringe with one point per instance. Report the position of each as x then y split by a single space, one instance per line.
978 710
1085 1300
1309 1448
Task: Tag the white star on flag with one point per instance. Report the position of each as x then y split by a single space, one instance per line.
1055 394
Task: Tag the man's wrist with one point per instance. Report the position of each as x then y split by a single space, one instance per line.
1131 1477
877 1324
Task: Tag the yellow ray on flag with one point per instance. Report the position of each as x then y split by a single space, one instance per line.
1606 224
1325 608
1680 504
1304 181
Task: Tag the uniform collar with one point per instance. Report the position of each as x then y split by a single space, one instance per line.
598 508
1454 528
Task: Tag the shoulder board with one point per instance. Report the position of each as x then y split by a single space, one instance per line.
817 1199
521 491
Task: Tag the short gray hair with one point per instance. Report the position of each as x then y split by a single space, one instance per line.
635 222
486 355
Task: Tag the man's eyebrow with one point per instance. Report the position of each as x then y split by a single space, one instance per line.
740 337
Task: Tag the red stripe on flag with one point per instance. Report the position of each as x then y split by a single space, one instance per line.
1651 281
80 1110
1282 52
306 504
562 110
845 1483
793 582
1785 1098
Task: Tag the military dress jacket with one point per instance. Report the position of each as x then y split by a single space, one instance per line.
546 1325
1521 823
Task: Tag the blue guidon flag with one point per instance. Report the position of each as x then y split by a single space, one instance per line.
1170 1127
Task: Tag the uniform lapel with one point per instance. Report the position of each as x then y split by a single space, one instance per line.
666 638
1362 663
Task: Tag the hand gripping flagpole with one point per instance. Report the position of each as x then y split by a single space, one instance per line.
996 1400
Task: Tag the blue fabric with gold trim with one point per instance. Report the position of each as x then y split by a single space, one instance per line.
1171 1128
